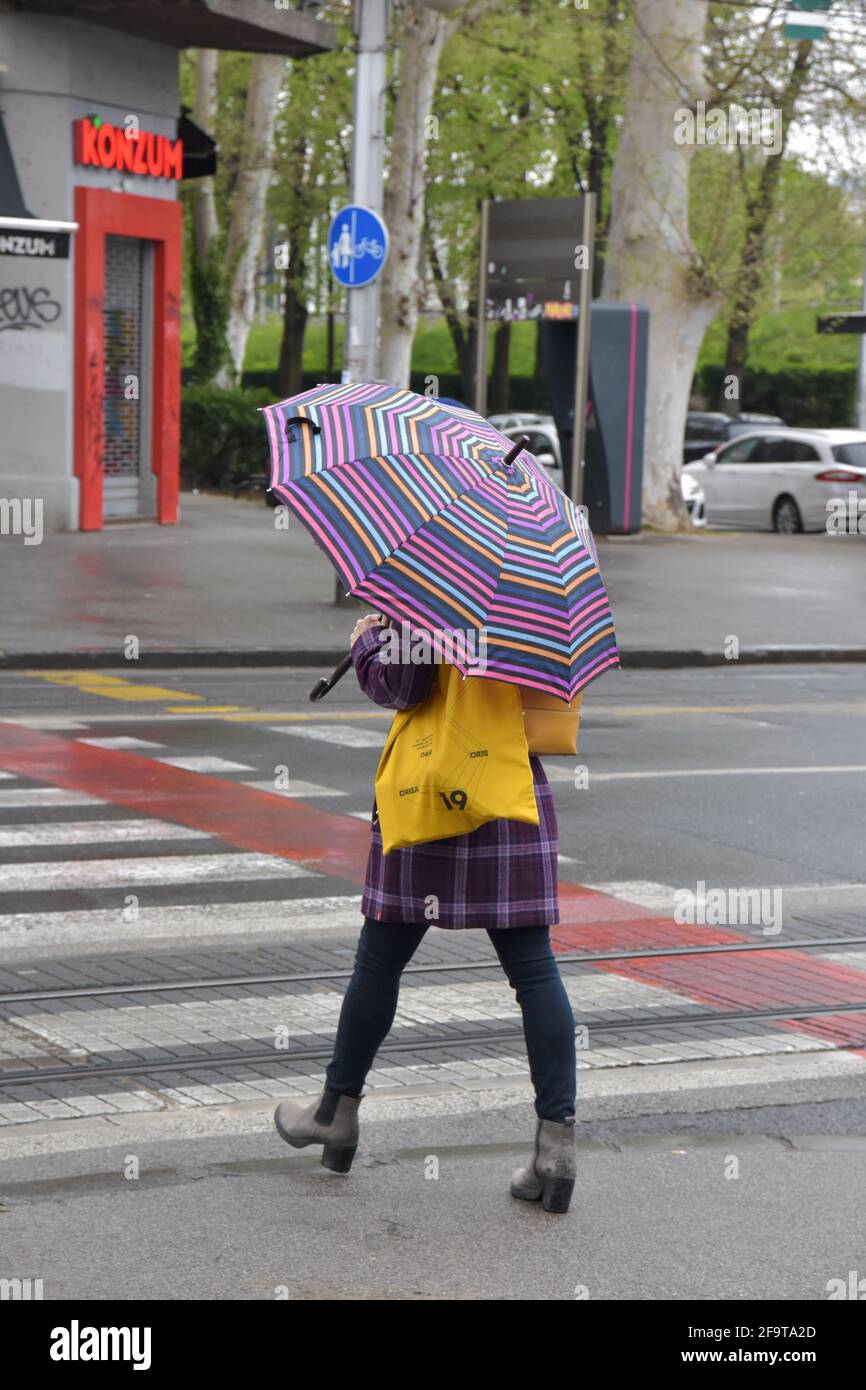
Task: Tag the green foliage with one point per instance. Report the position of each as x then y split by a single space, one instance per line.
788 339
815 399
210 305
528 101
223 436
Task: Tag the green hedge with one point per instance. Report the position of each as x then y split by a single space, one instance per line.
523 393
223 438
824 398
222 435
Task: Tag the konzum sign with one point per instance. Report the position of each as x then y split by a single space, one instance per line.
105 146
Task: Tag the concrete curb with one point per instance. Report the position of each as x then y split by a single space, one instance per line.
647 658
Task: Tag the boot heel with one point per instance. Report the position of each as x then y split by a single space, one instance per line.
556 1194
339 1160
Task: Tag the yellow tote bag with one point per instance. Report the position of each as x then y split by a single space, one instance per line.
453 762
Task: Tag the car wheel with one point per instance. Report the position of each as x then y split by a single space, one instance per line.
787 520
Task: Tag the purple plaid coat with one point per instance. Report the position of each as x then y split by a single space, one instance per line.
504 874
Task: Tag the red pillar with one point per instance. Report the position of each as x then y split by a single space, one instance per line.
99 213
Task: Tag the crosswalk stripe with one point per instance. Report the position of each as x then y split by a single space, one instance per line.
120 741
193 923
340 735
298 788
53 722
96 832
566 774
206 763
146 871
662 897
15 797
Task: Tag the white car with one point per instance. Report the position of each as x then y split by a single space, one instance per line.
518 420
543 444
784 480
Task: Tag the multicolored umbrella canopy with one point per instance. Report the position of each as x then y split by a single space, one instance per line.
421 517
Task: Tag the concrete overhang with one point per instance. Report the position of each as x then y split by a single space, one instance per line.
254 26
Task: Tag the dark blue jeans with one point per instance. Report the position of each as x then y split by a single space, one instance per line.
370 1002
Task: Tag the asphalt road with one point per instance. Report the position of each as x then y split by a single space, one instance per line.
720 1162
751 776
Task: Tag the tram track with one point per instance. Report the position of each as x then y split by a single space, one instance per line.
307 977
214 1061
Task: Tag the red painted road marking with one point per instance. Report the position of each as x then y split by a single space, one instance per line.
337 845
242 816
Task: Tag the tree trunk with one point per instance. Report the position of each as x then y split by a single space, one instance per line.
447 298
759 210
205 223
540 389
650 255
467 364
298 231
499 382
329 362
244 237
207 288
421 35
290 369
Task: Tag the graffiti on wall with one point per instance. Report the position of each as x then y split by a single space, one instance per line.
23 307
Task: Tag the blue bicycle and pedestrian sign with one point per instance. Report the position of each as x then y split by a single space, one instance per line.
357 246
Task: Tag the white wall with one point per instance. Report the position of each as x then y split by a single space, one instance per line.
59 70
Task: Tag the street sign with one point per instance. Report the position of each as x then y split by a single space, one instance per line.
357 246
534 258
843 323
804 19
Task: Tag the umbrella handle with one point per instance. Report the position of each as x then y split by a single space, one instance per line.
327 683
322 686
299 420
512 454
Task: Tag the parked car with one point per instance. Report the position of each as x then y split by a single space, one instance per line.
776 480
543 444
709 429
517 420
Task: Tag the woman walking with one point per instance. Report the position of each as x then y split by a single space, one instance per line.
501 878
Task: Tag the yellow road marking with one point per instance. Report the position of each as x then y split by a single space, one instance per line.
111 687
202 709
319 717
794 707
119 688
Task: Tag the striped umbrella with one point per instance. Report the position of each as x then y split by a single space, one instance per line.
422 517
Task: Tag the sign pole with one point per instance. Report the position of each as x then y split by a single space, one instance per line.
370 23
861 369
481 330
581 375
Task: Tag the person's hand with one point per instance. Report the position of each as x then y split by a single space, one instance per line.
369 620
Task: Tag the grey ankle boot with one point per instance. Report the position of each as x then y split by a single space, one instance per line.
550 1174
331 1119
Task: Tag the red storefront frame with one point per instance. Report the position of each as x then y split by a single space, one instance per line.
99 213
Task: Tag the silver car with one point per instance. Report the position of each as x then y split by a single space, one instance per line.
783 480
544 444
517 419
